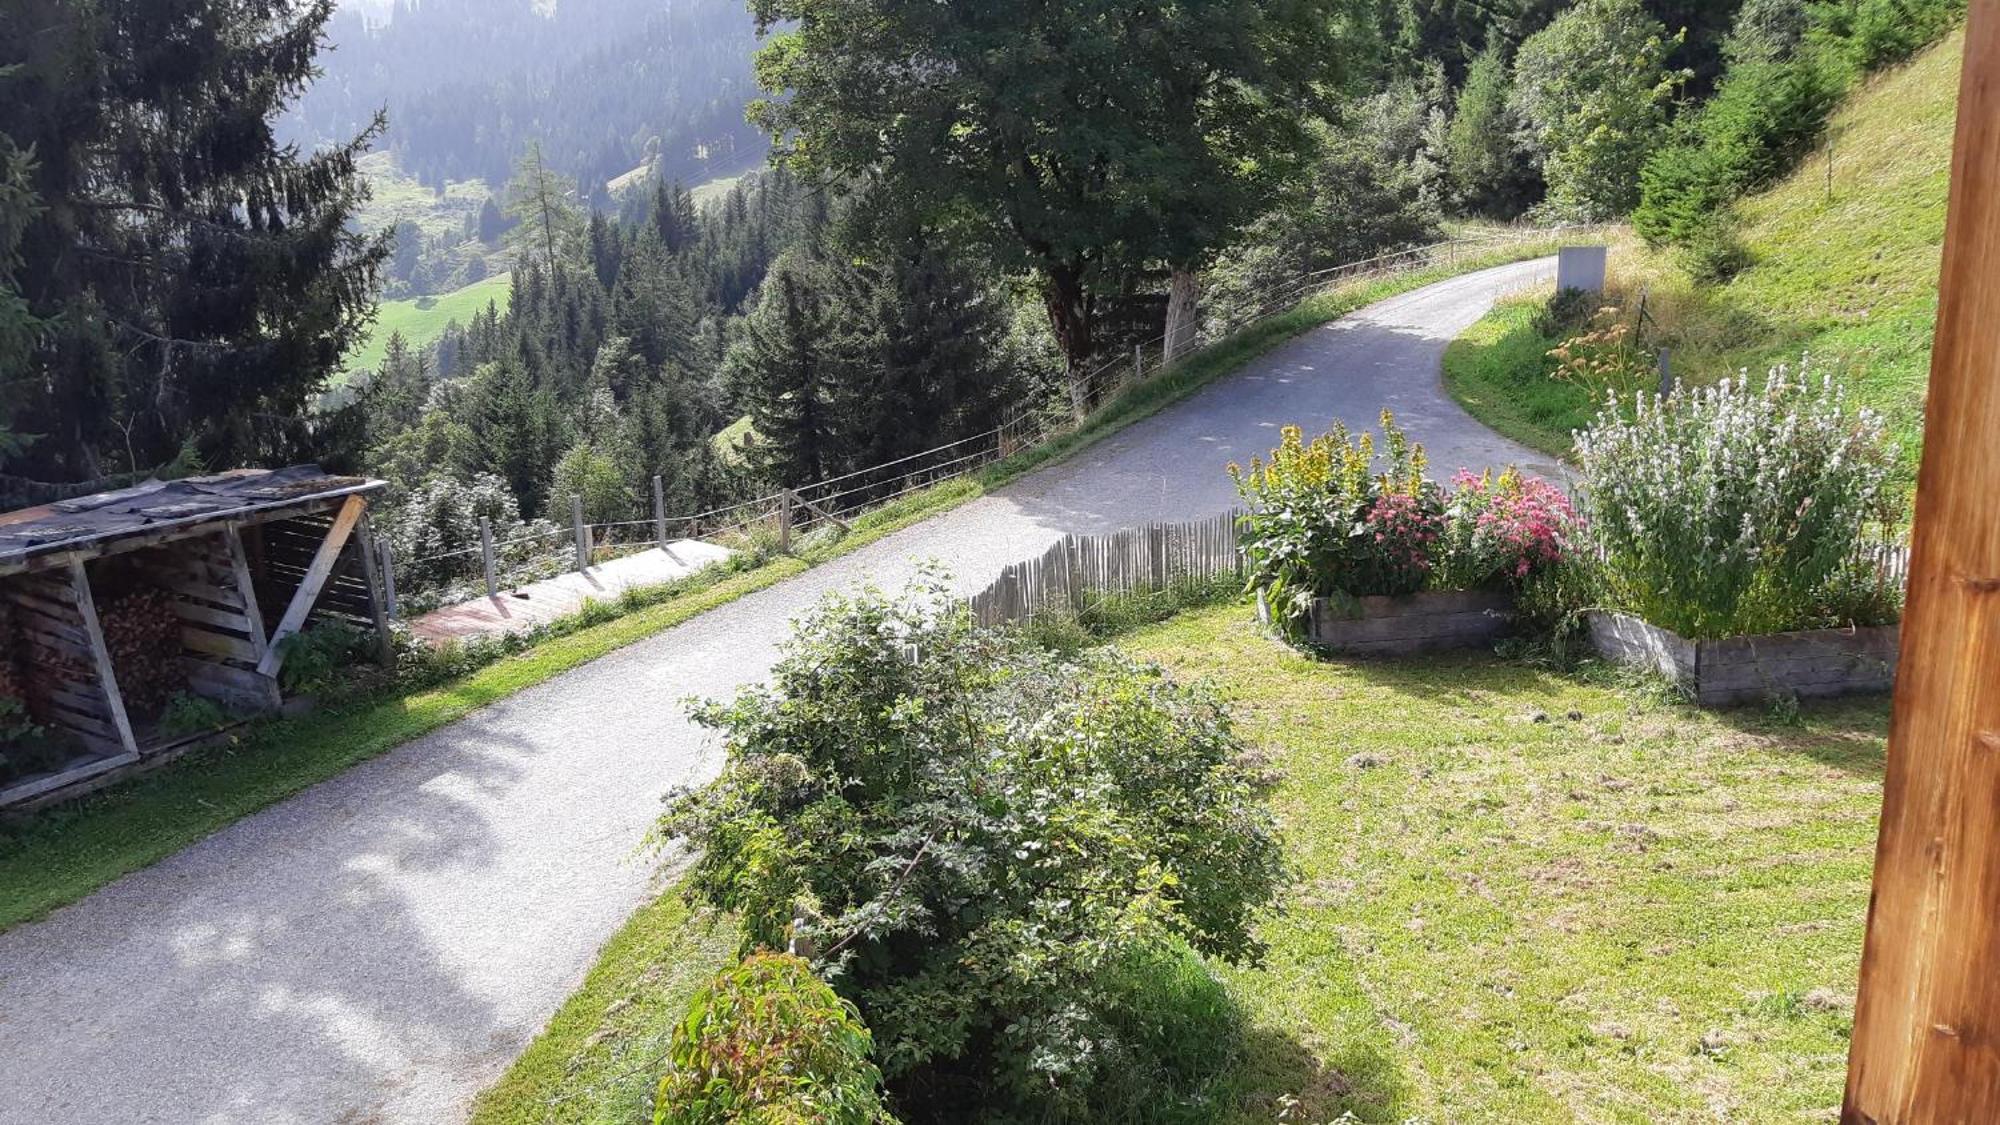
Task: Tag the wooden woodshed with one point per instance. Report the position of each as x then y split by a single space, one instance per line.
114 606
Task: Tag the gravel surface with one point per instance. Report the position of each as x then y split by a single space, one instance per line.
380 947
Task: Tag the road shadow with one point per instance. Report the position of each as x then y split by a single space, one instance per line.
278 975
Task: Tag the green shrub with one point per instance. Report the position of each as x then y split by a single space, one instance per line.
27 747
1566 311
973 834
1714 252
1734 509
769 1043
315 656
1764 117
187 713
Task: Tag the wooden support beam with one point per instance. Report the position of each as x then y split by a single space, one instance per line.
364 545
309 587
1926 1043
246 588
114 700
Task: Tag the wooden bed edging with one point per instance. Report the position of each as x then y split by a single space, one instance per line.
1432 621
1717 673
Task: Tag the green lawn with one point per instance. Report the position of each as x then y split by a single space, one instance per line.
1499 371
422 320
1630 911
1523 896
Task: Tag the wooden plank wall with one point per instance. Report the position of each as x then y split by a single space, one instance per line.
1079 570
220 645
61 681
287 548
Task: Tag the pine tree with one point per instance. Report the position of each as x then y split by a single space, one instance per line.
200 280
787 375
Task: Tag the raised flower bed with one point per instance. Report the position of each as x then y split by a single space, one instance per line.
1752 669
1739 539
1431 621
1357 562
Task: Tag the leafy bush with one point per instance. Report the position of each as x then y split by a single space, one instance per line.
973 834
315 655
1604 359
1733 509
27 747
187 713
1323 525
1714 252
1316 527
769 1042
1503 530
1763 118
1566 311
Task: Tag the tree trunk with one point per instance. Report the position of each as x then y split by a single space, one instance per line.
1182 294
1070 319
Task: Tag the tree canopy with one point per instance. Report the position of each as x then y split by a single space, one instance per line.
1078 140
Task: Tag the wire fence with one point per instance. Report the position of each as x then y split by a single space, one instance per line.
778 519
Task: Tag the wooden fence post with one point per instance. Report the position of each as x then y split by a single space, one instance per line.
582 532
784 521
660 513
388 577
486 556
1926 1041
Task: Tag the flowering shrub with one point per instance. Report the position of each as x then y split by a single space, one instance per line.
1503 529
1322 525
1603 360
1323 522
1734 509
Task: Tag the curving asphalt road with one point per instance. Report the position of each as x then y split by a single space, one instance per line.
380 947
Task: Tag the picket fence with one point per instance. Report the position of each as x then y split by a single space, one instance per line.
1081 569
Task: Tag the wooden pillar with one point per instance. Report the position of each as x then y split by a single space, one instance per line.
486 557
100 656
582 532
660 513
1926 1044
378 610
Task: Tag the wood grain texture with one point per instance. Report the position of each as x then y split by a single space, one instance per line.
309 586
1926 1044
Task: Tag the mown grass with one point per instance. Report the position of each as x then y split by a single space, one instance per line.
1628 911
58 856
422 320
1842 267
1499 371
1522 896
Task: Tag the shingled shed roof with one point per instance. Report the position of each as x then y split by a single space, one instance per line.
160 511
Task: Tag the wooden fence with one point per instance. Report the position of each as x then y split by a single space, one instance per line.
1083 568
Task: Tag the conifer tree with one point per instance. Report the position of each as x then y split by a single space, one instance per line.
787 373
199 280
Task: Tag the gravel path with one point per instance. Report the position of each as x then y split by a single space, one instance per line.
380 947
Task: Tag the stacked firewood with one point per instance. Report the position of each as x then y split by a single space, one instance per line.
142 634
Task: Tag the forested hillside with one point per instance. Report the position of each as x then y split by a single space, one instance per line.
603 85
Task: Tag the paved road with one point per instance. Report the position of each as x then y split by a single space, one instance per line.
380 947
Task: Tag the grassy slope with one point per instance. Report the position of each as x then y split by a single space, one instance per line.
1849 276
1645 914
422 320
60 856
